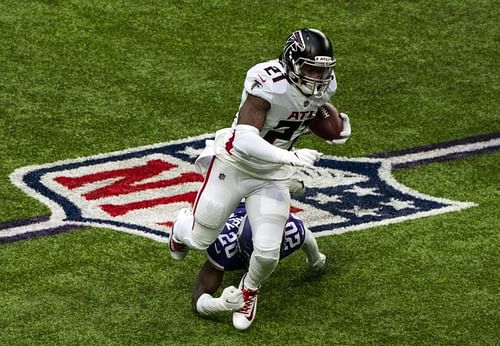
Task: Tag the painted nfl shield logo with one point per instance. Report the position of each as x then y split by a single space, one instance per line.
352 194
140 190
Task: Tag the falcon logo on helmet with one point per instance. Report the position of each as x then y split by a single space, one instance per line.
296 42
309 61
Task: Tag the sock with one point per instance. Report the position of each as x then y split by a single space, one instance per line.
259 270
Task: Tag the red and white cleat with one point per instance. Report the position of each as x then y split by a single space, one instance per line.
243 318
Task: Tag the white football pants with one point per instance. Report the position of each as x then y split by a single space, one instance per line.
268 206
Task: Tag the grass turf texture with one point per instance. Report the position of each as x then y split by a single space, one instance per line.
85 77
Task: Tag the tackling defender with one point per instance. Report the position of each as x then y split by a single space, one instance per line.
253 159
232 251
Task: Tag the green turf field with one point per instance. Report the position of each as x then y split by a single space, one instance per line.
78 78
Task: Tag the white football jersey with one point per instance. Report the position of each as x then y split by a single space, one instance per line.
286 120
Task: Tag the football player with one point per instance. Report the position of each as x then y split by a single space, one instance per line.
253 159
232 250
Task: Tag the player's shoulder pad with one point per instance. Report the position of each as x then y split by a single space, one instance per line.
266 79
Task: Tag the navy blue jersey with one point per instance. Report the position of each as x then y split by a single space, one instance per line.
233 247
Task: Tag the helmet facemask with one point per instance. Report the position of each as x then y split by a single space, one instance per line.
312 77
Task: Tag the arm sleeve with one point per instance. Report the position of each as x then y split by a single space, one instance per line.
248 142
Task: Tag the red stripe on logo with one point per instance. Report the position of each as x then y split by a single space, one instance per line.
167 224
122 209
129 179
125 188
295 209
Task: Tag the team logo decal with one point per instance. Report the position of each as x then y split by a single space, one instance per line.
296 42
140 190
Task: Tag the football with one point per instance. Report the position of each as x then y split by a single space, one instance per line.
327 124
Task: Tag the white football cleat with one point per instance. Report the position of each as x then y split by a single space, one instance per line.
319 265
243 318
232 299
177 249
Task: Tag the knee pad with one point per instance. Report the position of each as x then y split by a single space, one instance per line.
267 256
211 213
265 264
202 237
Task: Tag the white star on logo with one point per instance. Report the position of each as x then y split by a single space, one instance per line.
362 191
360 212
322 198
399 205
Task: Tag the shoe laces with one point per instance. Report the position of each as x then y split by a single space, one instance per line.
249 298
